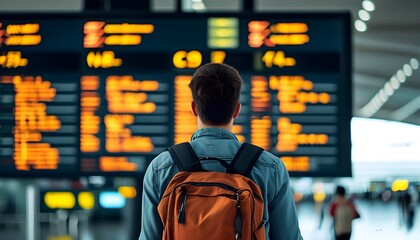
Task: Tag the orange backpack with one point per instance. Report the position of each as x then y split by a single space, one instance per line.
198 204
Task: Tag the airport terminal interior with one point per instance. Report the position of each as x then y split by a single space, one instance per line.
92 90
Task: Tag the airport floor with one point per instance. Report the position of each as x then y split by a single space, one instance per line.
379 221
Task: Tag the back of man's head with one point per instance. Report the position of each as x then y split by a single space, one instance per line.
216 89
341 191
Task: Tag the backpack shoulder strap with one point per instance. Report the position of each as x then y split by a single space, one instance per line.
185 157
245 158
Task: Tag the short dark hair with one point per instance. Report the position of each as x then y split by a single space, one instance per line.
216 89
341 191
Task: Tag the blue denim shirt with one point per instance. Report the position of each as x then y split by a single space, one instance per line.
268 172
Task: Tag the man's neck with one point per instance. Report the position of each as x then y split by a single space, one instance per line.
340 198
201 125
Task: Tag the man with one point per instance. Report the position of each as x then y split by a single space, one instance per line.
344 212
216 90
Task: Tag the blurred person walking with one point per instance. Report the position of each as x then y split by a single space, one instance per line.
405 200
411 206
343 212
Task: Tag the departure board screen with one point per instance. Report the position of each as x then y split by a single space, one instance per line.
104 94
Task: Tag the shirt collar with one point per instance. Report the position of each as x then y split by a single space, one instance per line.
213 132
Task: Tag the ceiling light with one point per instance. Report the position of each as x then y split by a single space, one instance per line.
376 104
368 5
383 96
395 84
401 76
388 89
364 15
198 6
360 25
378 99
370 110
407 70
414 63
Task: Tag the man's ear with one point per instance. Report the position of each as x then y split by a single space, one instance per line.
194 111
237 110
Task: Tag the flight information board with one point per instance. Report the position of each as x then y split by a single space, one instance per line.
103 95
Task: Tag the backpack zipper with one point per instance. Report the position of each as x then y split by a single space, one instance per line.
181 217
217 184
238 217
221 185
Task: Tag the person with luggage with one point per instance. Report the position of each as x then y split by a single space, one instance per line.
214 187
